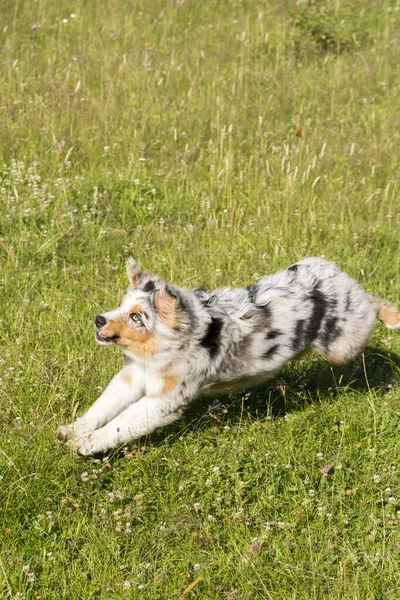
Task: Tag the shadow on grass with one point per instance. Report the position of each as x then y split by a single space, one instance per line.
300 384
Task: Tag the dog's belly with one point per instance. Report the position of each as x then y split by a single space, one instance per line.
217 388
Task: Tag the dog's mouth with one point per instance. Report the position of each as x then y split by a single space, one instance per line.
103 339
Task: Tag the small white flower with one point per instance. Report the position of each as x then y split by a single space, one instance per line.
388 490
208 481
142 159
127 584
392 499
65 20
25 568
376 478
196 566
311 492
215 469
319 455
136 181
196 505
140 586
211 518
72 15
218 499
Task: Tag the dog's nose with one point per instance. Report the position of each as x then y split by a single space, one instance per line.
100 321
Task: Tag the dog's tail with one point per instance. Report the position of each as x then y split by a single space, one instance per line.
387 312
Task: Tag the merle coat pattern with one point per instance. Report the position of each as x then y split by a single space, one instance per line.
179 343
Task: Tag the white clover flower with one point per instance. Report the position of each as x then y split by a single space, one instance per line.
127 584
281 524
196 566
208 481
215 469
376 478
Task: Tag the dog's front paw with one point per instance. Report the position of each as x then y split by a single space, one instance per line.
86 445
74 430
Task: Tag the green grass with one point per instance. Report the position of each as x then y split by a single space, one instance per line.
210 94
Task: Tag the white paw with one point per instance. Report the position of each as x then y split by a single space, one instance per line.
86 445
74 430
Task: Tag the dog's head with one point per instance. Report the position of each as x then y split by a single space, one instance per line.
150 313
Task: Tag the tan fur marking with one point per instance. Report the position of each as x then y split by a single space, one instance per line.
166 306
169 383
388 316
139 341
333 359
388 313
136 308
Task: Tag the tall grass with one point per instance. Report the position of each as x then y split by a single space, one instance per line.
166 130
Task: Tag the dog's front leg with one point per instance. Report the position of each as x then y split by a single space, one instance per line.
124 389
138 420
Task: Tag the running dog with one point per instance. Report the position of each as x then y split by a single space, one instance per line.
179 343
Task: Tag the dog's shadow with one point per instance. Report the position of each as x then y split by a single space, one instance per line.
300 384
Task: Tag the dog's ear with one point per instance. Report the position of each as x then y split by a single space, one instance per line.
133 272
170 306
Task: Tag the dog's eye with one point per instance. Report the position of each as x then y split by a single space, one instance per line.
135 318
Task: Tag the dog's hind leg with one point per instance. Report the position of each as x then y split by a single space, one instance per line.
387 312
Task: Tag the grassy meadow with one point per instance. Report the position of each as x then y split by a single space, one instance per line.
167 130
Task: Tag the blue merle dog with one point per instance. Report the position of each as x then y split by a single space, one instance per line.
179 343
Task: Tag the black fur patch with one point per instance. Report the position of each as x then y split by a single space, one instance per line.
211 339
272 334
299 335
293 268
271 351
319 306
331 331
149 286
252 291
